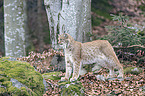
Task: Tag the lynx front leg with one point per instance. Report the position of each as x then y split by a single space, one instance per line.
68 70
76 70
121 72
82 71
111 73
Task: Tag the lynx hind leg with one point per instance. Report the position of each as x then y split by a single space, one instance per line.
121 73
111 72
109 52
116 64
119 67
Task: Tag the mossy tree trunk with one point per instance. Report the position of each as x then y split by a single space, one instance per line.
70 16
14 27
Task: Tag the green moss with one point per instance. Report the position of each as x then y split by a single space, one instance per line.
2 79
132 70
52 75
4 58
142 33
7 83
2 90
67 88
13 90
18 92
71 89
24 91
25 74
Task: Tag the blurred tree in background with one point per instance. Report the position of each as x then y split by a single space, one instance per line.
38 35
15 27
69 16
1 29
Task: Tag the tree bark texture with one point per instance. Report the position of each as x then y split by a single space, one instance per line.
14 27
40 26
1 30
69 16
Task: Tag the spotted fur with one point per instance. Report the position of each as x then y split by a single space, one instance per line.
78 54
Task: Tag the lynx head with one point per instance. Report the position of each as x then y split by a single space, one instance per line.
64 40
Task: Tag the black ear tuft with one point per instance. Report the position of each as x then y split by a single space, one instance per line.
66 36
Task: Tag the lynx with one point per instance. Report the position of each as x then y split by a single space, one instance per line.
77 54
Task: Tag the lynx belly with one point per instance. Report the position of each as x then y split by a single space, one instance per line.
90 59
98 58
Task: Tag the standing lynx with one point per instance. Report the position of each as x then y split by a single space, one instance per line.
77 53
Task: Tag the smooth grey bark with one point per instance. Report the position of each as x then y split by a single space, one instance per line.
69 16
53 8
14 27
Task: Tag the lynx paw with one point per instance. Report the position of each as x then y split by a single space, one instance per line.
72 79
64 79
120 75
110 76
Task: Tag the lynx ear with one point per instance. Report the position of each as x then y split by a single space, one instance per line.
66 35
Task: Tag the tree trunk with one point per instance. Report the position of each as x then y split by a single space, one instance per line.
14 27
53 8
69 16
1 30
40 26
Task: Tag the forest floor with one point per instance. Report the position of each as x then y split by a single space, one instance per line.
132 85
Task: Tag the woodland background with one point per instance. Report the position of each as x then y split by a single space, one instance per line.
38 28
38 34
121 22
